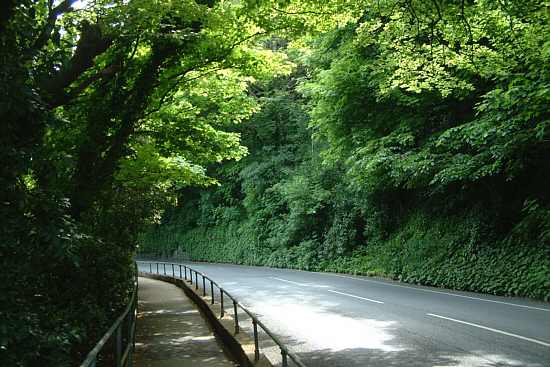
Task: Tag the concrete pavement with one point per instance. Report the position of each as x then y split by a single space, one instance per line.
171 332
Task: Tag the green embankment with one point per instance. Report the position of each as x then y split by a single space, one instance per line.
439 253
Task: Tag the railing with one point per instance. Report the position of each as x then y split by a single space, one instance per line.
123 329
180 271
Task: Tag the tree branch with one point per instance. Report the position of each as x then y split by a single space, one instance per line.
46 33
465 20
302 12
92 42
65 98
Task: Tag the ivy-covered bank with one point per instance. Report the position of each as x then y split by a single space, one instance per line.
423 252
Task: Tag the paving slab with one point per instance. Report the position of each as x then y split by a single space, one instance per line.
171 331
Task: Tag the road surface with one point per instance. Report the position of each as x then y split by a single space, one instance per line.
340 320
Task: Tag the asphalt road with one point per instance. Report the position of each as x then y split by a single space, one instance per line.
340 320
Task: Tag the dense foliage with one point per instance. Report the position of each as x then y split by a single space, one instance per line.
411 141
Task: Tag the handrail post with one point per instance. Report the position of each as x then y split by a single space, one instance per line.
203 286
130 318
118 347
196 280
180 271
236 317
164 267
150 268
173 273
129 340
284 355
134 313
256 343
222 311
157 268
212 291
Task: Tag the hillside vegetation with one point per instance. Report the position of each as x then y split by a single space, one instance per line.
410 142
107 108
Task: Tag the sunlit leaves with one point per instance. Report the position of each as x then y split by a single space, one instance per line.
148 170
384 91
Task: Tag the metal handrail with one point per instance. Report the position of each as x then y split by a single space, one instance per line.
123 354
285 352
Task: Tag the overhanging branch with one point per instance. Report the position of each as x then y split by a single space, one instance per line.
46 33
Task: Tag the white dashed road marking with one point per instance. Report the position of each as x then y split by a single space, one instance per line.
491 329
354 296
290 281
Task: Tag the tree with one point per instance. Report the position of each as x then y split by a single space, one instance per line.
96 97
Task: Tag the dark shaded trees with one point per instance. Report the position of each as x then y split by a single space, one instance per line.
87 96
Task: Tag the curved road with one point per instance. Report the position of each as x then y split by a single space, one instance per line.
340 320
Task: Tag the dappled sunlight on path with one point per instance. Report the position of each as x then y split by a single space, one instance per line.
171 331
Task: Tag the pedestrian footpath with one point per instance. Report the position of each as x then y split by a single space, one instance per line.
171 331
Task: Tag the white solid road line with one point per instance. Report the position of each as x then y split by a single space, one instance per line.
440 292
491 329
354 296
290 281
